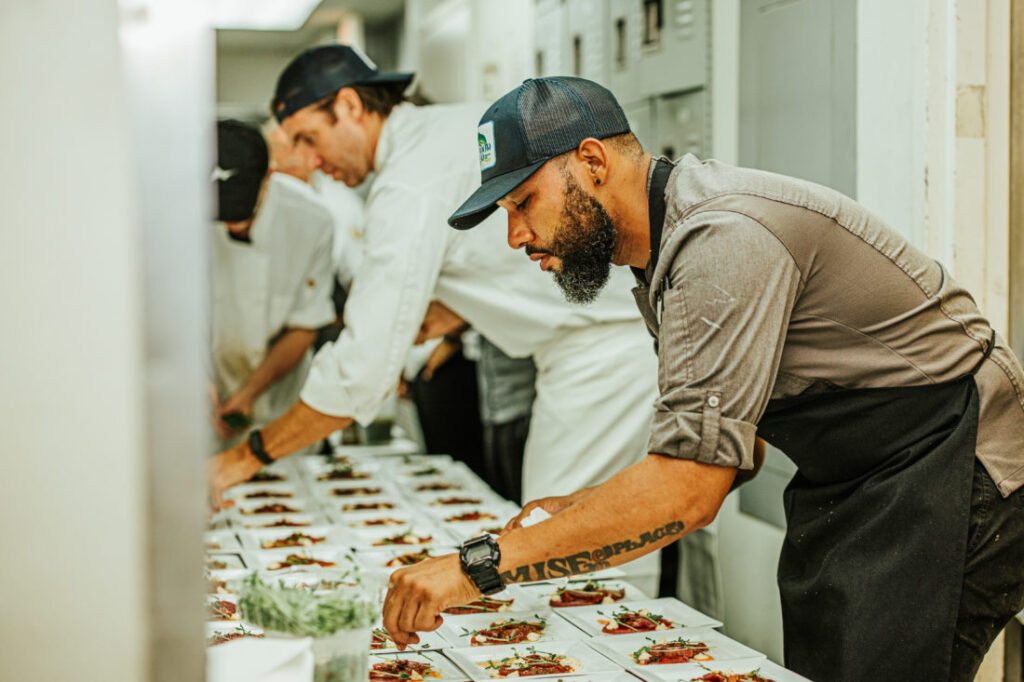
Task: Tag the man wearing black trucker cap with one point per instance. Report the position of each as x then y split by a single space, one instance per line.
332 99
785 311
271 277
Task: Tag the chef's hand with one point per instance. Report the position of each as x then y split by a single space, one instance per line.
231 467
223 430
419 593
552 505
439 320
240 402
445 351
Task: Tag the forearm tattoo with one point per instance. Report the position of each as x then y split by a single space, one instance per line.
584 562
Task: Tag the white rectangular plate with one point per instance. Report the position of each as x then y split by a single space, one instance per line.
720 647
538 595
264 492
365 538
214 598
588 618
225 561
374 559
221 541
255 538
449 671
245 511
267 520
688 672
474 659
268 557
215 628
557 629
428 641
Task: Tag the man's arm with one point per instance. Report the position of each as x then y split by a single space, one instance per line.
640 509
282 357
297 428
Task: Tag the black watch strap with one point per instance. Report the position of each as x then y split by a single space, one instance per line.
480 558
256 446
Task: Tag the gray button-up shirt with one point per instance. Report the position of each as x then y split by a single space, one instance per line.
770 287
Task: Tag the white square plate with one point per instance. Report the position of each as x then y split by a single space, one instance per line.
720 647
220 603
428 641
458 629
269 557
354 491
509 593
256 538
298 521
448 671
213 629
221 541
473 660
375 559
359 520
592 619
220 561
690 672
246 510
538 595
264 492
383 537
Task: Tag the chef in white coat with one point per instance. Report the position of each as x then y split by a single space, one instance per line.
271 280
596 364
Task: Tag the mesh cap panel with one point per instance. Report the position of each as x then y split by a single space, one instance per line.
557 118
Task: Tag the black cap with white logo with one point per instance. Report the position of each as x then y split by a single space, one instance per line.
541 119
242 161
322 71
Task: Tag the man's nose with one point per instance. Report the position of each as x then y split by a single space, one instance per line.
519 235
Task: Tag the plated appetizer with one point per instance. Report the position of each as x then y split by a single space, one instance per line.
472 516
273 508
297 539
215 586
285 523
719 676
264 494
265 476
403 669
507 631
343 472
408 559
298 560
426 471
482 605
592 592
361 491
672 651
366 506
531 664
445 501
625 621
237 633
404 539
383 521
222 609
380 639
437 486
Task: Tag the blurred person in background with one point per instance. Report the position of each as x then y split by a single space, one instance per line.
595 367
271 279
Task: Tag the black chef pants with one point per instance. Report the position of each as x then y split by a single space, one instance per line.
993 590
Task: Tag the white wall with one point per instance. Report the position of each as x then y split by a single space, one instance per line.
72 512
246 80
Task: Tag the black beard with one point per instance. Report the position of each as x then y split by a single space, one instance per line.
585 243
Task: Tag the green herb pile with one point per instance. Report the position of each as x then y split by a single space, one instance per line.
303 611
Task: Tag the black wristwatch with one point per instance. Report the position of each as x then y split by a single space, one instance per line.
256 446
480 558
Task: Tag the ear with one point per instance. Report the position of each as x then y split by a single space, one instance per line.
593 156
347 103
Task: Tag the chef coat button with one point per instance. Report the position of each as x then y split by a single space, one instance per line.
713 401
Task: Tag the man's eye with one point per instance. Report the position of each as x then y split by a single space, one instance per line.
522 204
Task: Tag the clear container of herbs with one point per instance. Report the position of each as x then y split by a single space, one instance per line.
333 609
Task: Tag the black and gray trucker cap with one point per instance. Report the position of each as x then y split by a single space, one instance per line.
539 120
242 160
322 71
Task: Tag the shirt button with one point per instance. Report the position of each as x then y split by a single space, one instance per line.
713 401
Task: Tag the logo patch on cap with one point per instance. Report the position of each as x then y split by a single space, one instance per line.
485 140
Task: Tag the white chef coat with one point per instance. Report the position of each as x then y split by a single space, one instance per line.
597 370
346 207
281 280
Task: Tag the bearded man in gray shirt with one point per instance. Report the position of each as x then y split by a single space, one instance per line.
785 311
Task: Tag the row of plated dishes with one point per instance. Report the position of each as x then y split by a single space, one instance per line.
370 515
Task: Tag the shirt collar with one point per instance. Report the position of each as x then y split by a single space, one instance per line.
389 131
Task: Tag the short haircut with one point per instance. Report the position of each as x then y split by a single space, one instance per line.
378 98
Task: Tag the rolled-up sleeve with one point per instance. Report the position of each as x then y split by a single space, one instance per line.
406 240
723 324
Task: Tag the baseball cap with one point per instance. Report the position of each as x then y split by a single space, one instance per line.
242 161
539 120
322 71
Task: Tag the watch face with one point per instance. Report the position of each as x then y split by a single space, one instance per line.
477 553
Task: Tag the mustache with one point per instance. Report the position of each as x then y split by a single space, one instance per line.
530 250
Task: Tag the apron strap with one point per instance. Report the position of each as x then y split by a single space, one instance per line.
656 206
988 352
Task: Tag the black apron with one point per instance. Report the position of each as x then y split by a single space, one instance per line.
877 514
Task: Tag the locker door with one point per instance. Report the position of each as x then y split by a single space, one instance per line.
549 58
798 89
586 39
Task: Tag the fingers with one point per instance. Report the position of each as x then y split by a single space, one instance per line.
516 521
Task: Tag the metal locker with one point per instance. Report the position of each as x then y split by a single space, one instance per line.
674 40
549 22
623 56
586 40
683 124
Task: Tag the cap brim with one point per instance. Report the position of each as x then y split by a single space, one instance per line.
386 78
483 202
